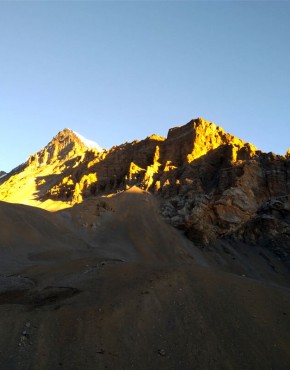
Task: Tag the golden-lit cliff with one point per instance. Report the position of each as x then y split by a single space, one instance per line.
66 170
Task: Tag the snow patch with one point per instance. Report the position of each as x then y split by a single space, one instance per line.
3 175
89 143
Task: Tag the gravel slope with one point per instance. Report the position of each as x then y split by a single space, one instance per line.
109 285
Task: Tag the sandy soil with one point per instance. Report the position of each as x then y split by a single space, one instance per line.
109 285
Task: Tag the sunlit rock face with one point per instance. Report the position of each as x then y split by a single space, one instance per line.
198 137
210 183
34 181
226 189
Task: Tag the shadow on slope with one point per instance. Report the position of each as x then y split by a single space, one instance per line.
127 292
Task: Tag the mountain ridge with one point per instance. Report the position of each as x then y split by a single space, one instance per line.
211 184
200 137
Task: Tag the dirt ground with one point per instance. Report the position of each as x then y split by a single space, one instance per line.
108 284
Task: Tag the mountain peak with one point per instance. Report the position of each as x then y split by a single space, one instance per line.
68 135
65 145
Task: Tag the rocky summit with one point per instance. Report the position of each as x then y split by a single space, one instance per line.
165 253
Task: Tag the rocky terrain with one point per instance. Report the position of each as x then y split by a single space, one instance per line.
108 284
164 253
212 185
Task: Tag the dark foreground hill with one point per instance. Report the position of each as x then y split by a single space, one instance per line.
107 284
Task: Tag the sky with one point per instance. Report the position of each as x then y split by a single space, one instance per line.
116 71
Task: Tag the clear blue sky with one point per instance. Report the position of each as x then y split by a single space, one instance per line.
119 71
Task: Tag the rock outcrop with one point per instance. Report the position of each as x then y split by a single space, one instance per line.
211 184
247 200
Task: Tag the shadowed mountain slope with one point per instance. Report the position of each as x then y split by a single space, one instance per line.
108 284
